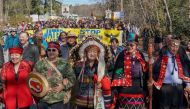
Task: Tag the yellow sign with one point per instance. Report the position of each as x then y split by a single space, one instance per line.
52 34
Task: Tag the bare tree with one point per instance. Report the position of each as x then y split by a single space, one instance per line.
1 11
168 15
143 11
28 6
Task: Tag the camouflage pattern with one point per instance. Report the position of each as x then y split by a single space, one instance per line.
54 78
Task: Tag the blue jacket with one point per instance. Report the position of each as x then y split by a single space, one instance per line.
44 43
11 41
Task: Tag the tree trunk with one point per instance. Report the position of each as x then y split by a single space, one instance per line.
28 6
143 11
168 15
189 8
1 11
157 12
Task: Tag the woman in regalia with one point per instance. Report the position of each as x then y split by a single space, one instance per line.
94 90
128 77
16 94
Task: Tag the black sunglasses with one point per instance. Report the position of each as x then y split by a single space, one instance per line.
51 50
131 45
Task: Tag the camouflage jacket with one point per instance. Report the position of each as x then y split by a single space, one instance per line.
54 78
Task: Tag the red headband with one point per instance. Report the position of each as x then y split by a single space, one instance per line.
53 45
17 50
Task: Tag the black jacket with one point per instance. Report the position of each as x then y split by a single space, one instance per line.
31 53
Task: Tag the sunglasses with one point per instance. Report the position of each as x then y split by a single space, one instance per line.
51 50
130 45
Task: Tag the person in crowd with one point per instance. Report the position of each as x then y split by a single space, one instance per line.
71 39
1 57
14 74
60 77
167 39
30 52
170 76
188 49
157 44
62 38
115 49
92 77
37 26
128 82
38 39
63 43
42 52
21 27
5 35
71 42
12 40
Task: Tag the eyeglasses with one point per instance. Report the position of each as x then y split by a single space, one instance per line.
51 50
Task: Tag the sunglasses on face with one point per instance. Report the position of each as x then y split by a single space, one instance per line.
131 45
51 50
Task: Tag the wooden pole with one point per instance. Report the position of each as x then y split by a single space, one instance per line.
150 79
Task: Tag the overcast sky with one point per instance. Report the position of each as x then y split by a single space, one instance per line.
78 2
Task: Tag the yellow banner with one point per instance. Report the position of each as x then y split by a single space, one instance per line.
52 34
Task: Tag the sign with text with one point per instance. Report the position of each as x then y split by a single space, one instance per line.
52 34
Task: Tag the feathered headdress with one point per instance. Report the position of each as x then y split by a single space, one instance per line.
78 53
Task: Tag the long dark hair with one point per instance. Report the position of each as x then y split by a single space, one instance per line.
59 38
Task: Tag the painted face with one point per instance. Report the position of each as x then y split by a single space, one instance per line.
92 54
15 58
23 38
52 53
131 47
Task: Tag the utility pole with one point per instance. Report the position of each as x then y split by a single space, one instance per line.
122 10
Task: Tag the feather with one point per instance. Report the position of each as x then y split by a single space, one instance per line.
101 67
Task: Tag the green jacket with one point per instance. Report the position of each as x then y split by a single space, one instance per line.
54 78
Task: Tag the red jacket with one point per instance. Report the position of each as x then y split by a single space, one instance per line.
16 89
